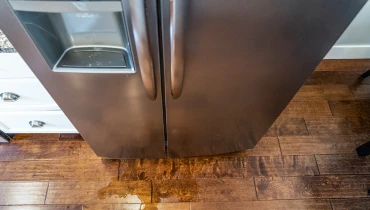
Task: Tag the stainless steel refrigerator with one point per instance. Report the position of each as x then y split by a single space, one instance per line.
173 78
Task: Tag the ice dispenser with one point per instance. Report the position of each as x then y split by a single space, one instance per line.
78 36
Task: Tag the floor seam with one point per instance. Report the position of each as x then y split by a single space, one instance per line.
46 194
255 188
331 110
331 204
305 124
281 151
119 169
317 165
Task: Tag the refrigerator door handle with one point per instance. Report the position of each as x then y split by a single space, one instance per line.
177 13
137 11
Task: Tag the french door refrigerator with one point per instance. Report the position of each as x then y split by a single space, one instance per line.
173 78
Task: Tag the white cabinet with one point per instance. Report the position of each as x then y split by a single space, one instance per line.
12 66
24 122
30 93
23 99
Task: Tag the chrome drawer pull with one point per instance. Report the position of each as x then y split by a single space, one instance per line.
9 97
36 124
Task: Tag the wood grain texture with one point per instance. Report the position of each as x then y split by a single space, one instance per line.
203 190
347 108
36 136
337 78
351 204
301 109
303 187
343 65
70 137
42 207
288 127
324 92
327 144
338 125
183 168
86 153
361 91
282 166
265 147
89 192
58 170
343 164
312 204
13 193
146 206
39 150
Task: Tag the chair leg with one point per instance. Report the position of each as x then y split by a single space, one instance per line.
366 74
363 150
5 137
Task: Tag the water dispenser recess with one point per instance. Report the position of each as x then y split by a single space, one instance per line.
78 36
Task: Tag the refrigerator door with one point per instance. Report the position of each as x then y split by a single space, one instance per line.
232 66
99 60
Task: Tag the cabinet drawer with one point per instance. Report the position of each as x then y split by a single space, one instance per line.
13 66
19 122
32 95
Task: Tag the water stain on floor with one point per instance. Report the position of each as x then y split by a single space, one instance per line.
135 192
163 176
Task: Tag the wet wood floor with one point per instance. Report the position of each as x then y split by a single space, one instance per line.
306 160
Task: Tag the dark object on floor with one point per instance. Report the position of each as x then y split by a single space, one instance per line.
364 150
366 74
5 137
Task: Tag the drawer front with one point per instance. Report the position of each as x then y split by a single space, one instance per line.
19 122
32 95
13 66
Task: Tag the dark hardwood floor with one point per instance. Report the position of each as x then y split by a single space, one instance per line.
306 160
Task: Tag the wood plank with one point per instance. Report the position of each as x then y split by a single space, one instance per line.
145 206
59 170
347 108
70 137
282 166
343 65
203 190
42 207
39 150
352 204
329 144
86 153
183 168
79 192
361 91
288 127
338 125
324 92
36 136
345 186
265 147
13 193
311 204
343 164
336 78
301 109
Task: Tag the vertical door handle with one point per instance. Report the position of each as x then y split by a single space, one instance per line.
137 14
177 13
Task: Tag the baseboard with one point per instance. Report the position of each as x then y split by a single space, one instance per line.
349 52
